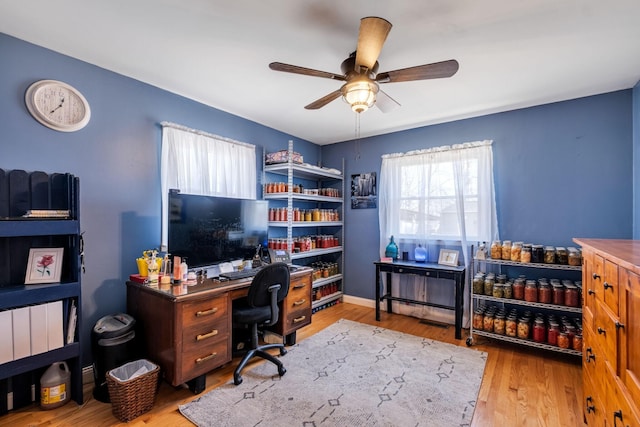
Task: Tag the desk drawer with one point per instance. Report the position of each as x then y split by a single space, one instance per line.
297 319
204 312
201 359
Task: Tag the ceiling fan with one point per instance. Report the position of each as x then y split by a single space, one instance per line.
361 88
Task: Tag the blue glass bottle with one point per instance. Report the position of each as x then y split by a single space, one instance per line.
391 250
420 254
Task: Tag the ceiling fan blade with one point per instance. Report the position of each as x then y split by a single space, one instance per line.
385 103
437 70
324 100
279 66
373 33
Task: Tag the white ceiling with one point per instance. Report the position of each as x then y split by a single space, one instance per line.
512 54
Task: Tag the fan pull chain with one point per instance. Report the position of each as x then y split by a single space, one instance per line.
357 137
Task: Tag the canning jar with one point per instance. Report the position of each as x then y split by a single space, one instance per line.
506 250
478 319
539 330
558 294
487 324
571 296
537 254
496 249
489 281
525 255
523 328
516 249
531 291
552 332
563 340
549 255
510 325
478 284
498 290
507 290
501 278
576 344
562 256
574 257
518 289
499 324
544 293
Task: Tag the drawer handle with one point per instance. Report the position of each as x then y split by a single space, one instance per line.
299 319
595 276
205 336
619 325
204 359
607 286
617 414
302 301
590 408
302 285
207 312
590 355
602 331
591 292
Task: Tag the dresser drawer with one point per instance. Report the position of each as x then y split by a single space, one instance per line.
593 359
606 335
205 311
610 287
593 409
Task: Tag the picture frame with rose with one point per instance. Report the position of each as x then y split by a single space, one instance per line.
44 266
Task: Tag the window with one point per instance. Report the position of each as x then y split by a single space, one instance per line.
445 193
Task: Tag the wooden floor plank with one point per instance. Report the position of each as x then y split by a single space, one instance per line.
519 388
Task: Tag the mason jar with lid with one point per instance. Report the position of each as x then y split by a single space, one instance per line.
496 249
558 294
499 323
516 250
553 332
518 289
489 281
531 291
507 290
537 254
478 318
478 284
571 296
544 293
562 256
525 255
523 328
539 330
487 324
498 290
574 258
511 325
506 250
549 255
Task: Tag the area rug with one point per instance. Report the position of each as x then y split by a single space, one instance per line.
351 374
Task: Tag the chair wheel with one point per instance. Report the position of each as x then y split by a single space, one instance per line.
283 351
469 341
281 370
237 379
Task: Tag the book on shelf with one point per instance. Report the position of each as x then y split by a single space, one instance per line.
73 319
47 213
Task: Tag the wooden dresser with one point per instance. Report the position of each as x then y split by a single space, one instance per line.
611 332
187 330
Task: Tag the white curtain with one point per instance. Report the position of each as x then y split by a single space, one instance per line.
441 196
196 162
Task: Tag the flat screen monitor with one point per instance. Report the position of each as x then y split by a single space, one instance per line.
208 230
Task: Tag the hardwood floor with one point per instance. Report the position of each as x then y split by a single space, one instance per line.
521 386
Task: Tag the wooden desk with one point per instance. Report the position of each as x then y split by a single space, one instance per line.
457 274
187 329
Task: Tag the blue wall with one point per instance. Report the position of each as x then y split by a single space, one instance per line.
562 170
636 160
116 158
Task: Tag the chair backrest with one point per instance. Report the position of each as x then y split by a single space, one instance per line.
273 274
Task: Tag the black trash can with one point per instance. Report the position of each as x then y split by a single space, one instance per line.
113 341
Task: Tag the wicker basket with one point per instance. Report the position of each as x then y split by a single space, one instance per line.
131 398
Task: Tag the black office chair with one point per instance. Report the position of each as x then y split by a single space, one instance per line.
260 309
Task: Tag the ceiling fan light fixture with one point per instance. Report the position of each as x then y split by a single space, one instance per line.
360 94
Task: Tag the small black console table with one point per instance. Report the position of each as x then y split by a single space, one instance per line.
457 274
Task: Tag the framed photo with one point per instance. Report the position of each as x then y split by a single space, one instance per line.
44 266
448 257
363 191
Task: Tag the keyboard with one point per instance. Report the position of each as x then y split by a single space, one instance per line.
242 274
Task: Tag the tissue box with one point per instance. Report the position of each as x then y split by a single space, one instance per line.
282 157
